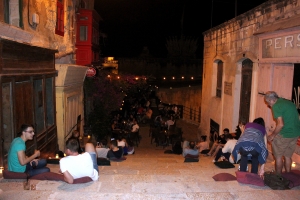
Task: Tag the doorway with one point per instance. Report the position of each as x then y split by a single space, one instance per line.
246 83
296 87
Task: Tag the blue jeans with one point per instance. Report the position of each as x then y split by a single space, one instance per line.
37 169
94 158
244 160
220 153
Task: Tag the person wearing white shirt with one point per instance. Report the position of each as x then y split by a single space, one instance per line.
203 144
227 150
76 165
135 127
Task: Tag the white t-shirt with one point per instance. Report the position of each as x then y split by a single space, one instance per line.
228 148
79 166
121 143
102 152
203 146
135 128
169 123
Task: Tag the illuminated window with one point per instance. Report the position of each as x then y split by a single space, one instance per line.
59 29
219 79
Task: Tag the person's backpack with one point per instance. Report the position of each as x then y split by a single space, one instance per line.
177 149
276 181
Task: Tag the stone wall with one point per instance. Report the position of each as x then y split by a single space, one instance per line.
232 42
236 40
41 34
188 97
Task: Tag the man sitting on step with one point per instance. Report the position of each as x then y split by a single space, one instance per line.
76 165
190 149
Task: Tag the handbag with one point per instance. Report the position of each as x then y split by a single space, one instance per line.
276 181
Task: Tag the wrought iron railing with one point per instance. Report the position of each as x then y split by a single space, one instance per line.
189 114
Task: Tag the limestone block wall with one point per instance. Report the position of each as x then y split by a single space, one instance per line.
232 42
189 97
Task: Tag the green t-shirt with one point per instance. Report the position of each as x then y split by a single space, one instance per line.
288 111
13 162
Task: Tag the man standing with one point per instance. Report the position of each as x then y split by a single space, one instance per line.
18 161
77 165
284 137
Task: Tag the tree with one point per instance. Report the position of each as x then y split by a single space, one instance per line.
107 92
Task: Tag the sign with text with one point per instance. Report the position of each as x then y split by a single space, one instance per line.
280 46
228 88
91 72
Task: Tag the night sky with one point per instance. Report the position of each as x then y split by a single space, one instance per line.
132 24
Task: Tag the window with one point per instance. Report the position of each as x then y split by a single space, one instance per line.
39 106
59 29
83 33
7 115
95 36
12 12
3 11
219 79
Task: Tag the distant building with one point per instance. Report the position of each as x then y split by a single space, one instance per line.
111 64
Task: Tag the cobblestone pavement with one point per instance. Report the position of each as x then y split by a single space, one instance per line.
150 174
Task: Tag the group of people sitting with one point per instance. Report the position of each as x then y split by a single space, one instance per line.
73 166
194 148
78 162
117 148
250 146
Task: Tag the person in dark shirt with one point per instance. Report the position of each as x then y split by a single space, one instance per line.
115 151
222 139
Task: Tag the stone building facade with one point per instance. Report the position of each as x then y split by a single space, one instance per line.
247 56
37 40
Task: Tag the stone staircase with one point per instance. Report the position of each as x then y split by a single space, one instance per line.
149 174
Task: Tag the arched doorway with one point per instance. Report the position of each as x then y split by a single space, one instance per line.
246 83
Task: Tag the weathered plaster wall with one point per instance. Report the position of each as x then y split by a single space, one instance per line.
43 34
189 97
232 42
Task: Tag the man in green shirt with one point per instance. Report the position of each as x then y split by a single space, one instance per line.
284 137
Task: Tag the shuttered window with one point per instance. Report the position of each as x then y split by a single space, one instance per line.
219 79
59 29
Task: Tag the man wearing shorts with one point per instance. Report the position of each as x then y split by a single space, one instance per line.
284 137
77 165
